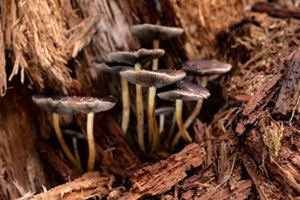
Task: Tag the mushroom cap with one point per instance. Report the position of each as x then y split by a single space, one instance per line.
74 134
185 91
155 32
53 103
158 78
164 110
131 58
206 67
91 104
114 69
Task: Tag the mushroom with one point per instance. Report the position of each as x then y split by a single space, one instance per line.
90 106
184 91
75 135
203 68
115 68
162 112
137 58
153 79
155 33
54 104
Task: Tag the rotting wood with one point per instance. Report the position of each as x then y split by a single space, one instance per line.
257 103
264 187
49 155
276 10
288 99
241 191
90 185
161 176
3 81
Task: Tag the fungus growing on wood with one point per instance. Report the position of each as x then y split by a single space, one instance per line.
90 106
137 58
153 79
184 91
202 69
54 104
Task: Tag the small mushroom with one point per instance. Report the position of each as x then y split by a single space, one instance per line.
184 91
155 33
90 106
55 105
203 68
75 135
137 58
153 79
162 112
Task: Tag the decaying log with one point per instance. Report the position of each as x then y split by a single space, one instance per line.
161 176
275 10
289 95
57 163
90 185
19 160
258 102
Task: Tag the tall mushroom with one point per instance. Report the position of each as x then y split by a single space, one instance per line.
54 104
138 58
157 79
89 106
115 68
184 91
202 69
154 33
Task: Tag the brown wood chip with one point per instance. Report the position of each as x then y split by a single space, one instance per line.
161 176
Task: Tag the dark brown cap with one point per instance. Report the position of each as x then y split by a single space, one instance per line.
185 91
206 67
91 104
158 78
155 32
53 103
131 58
164 110
114 69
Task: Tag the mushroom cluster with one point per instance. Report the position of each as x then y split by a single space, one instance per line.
70 105
175 88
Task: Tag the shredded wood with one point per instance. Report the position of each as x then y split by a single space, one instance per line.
3 83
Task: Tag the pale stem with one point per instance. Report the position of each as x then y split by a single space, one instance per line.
182 130
161 123
152 124
75 147
64 146
126 104
140 112
155 61
91 142
203 82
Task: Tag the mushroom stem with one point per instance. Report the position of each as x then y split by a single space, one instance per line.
140 112
152 125
203 82
64 146
76 152
161 123
155 44
182 129
91 141
126 105
153 129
